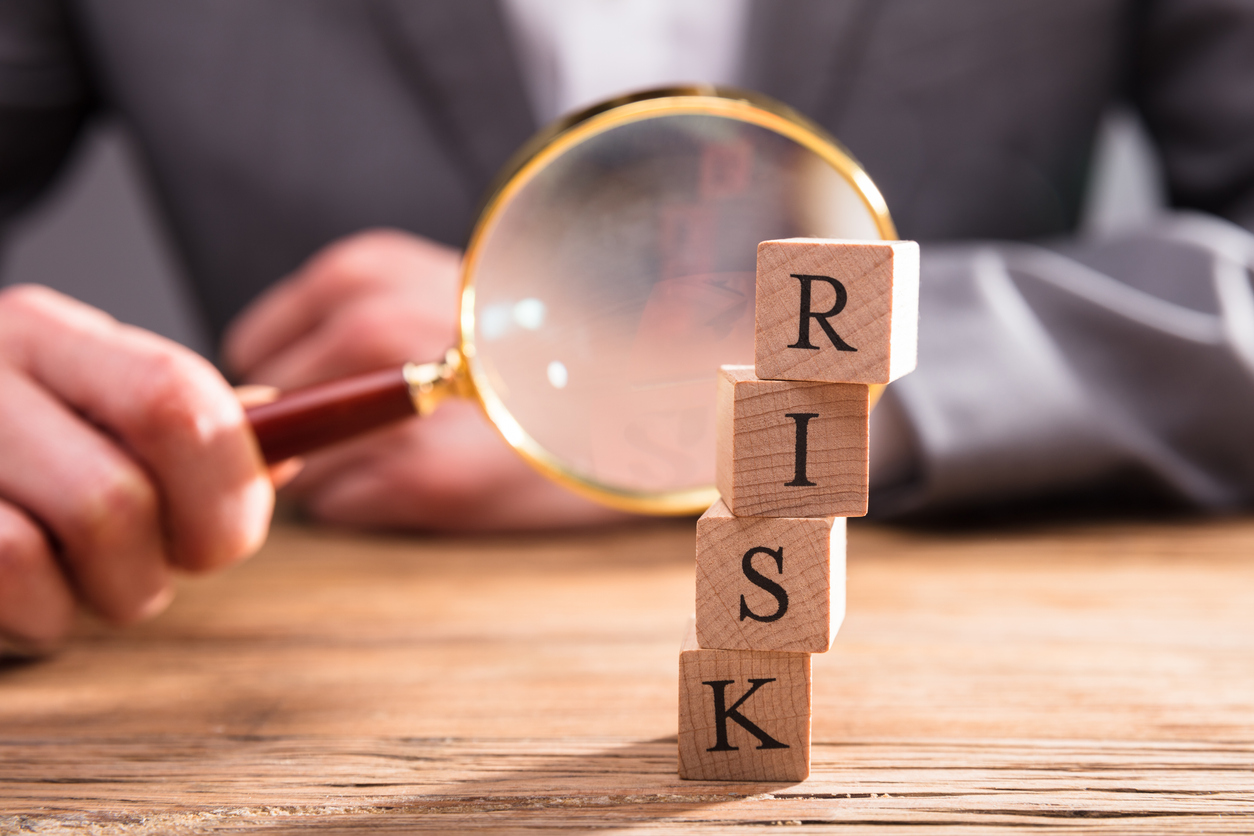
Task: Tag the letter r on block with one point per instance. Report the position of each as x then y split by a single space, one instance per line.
864 297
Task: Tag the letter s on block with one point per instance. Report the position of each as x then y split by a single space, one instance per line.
758 579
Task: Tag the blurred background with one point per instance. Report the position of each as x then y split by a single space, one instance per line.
97 233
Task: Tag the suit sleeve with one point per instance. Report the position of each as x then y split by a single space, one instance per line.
1116 370
44 97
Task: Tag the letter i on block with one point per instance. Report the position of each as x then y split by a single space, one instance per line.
769 583
743 715
791 449
837 311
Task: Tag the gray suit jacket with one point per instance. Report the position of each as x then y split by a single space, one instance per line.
1049 365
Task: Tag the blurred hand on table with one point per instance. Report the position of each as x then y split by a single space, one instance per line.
370 301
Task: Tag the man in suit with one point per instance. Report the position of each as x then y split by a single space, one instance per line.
274 133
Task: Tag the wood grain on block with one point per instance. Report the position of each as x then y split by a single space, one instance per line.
837 311
744 715
769 583
788 448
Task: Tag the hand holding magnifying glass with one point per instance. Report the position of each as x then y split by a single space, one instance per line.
610 274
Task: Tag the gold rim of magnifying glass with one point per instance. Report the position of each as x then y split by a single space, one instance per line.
469 376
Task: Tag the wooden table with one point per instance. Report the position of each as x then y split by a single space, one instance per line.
1097 678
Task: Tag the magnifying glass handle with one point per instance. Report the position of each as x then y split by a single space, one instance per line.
314 417
307 419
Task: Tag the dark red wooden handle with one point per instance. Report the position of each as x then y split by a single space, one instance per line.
306 419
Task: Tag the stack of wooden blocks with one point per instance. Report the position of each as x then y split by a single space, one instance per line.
833 317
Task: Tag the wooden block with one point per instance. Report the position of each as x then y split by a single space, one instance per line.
837 311
769 583
743 715
791 449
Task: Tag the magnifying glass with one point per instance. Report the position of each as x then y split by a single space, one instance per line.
609 275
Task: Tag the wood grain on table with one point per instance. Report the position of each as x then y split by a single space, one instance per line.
1095 678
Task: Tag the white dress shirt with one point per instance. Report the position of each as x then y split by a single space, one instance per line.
577 52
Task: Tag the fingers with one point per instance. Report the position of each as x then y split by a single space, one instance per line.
36 603
254 395
372 262
369 333
449 472
96 502
193 461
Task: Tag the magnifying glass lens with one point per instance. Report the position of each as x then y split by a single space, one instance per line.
609 275
617 274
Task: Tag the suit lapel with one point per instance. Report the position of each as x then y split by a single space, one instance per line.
458 60
806 53
459 63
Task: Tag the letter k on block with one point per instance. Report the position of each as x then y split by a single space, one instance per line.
722 714
765 694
